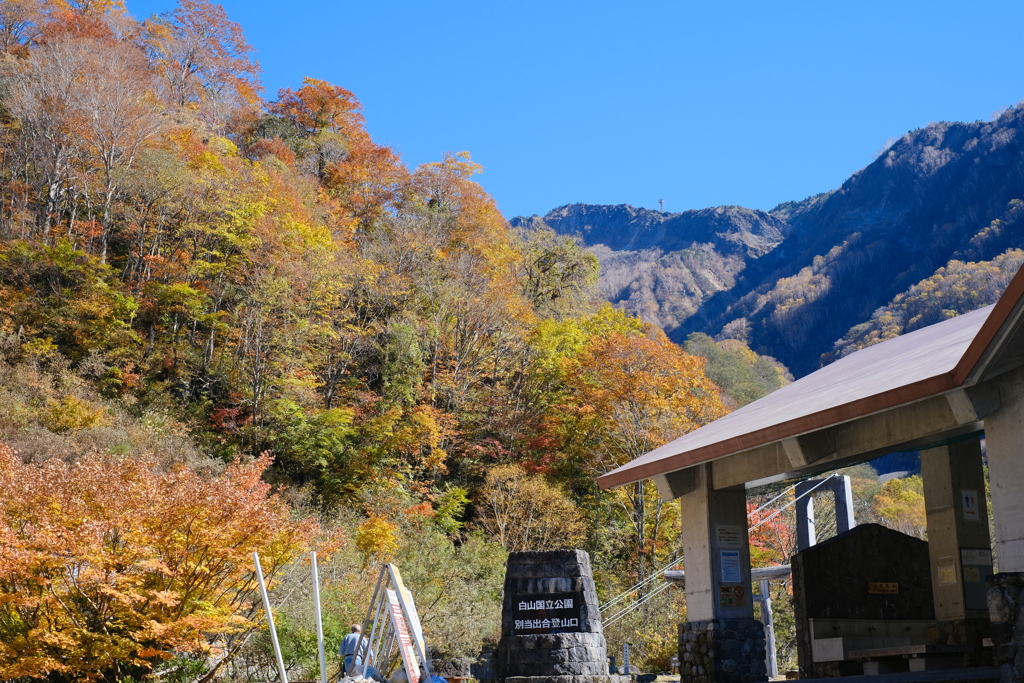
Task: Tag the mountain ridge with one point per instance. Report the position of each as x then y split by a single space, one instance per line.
794 280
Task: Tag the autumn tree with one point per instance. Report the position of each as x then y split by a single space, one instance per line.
742 375
323 118
522 511
901 505
629 395
325 128
86 106
19 22
203 59
560 275
772 535
111 566
68 298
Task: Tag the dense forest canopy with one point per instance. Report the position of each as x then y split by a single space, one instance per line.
195 276
231 321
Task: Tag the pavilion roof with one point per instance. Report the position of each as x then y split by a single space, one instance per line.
909 368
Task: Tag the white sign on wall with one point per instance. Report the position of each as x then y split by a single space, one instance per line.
729 536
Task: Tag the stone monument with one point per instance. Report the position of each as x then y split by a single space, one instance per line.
550 621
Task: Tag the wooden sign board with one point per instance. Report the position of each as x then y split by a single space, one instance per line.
391 620
409 610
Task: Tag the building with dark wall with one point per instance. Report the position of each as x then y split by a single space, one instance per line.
870 573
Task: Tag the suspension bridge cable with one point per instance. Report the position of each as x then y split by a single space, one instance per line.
658 574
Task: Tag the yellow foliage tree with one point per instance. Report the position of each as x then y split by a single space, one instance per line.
522 511
629 395
377 539
900 503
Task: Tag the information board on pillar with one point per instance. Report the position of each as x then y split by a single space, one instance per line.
547 613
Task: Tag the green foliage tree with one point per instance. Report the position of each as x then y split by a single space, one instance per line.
743 375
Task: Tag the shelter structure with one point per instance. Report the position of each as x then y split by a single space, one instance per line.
939 390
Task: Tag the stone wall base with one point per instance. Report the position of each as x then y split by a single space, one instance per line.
1005 598
722 651
483 668
568 679
559 655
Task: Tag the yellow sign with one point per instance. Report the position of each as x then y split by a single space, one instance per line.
946 571
732 596
883 588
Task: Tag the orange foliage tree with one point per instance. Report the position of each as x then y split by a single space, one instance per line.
203 58
772 537
328 131
110 566
629 394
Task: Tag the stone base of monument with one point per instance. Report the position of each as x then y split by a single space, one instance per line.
551 624
722 651
556 655
567 679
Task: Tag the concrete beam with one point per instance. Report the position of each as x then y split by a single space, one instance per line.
675 484
973 403
756 465
903 428
931 418
810 448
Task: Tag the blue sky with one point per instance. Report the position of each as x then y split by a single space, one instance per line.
697 103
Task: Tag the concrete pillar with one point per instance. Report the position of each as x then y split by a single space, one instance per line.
1004 441
958 535
842 497
715 551
720 642
806 531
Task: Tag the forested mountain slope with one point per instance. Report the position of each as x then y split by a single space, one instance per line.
948 191
664 265
198 282
234 313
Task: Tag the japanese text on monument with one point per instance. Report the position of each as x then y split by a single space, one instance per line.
547 613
